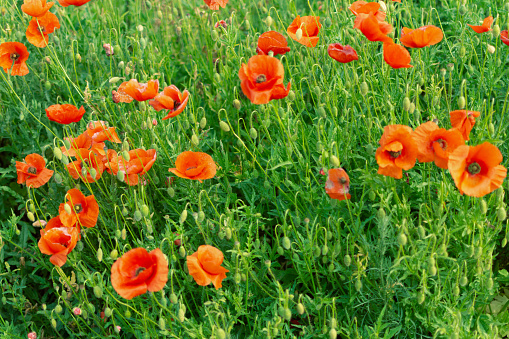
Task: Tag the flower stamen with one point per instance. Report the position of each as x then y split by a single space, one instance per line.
474 168
261 78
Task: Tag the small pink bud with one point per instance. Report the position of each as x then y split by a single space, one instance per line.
32 335
154 122
118 328
177 242
39 223
108 49
322 172
76 311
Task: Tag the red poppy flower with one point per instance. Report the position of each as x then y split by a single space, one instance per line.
13 55
107 158
86 162
76 3
262 79
364 7
214 4
310 26
33 171
504 37
58 241
436 144
141 92
272 41
121 95
397 151
140 161
64 114
337 185
139 271
421 37
373 29
221 23
205 266
99 132
396 56
464 121
172 100
36 7
341 53
485 27
194 165
39 29
84 210
82 141
476 170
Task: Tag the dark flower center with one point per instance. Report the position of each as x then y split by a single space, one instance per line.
42 29
78 208
474 168
442 143
15 56
342 180
84 162
394 155
32 170
176 104
138 271
261 78
190 168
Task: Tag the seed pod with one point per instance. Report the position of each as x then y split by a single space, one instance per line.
463 281
300 308
99 254
114 254
98 292
364 88
224 126
461 102
333 334
58 309
287 243
501 214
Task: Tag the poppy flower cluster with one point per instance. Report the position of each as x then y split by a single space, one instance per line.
62 232
170 99
476 170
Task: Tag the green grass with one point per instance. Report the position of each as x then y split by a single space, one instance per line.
344 264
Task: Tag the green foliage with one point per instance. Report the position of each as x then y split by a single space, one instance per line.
408 258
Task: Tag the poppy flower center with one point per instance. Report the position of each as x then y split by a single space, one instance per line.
84 162
176 104
42 29
393 154
138 271
442 143
15 56
78 208
342 180
190 168
32 170
261 78
474 168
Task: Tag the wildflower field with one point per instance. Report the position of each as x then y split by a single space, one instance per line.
254 169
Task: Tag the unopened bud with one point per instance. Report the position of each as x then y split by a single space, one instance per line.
406 104
137 215
67 208
99 254
491 49
58 309
291 95
224 126
461 102
121 176
58 153
501 214
31 216
183 216
300 308
236 104
194 140
364 88
182 251
203 123
298 34
214 35
287 243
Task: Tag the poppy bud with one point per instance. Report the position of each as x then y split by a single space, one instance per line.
325 249
224 126
53 323
491 49
364 88
461 102
402 239
381 213
287 243
496 30
347 260
121 176
99 254
57 153
203 123
334 161
181 315
137 215
173 298
58 309
194 140
504 242
67 208
183 216
298 34
217 78
333 334
501 214
171 192
406 104
214 35
182 251
411 110
421 297
291 95
30 216
463 281
93 173
358 285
